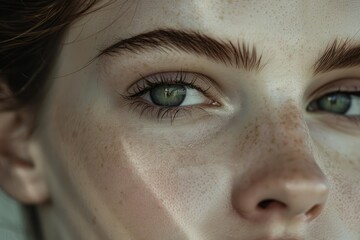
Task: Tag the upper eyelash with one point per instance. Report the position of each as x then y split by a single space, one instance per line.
346 89
152 81
355 90
355 93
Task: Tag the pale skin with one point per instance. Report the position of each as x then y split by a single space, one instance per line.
100 171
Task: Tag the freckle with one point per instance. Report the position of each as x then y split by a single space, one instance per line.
74 134
99 127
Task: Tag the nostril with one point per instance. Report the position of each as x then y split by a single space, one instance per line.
271 203
265 203
314 211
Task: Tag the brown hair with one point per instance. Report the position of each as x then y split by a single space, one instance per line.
30 35
30 32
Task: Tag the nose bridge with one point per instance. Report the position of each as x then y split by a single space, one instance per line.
286 181
287 128
285 138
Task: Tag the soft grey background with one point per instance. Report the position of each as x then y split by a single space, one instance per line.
11 224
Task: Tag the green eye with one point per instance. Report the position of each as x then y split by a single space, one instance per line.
168 95
338 103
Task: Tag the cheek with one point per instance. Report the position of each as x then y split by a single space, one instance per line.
143 181
153 186
136 179
126 178
344 180
345 197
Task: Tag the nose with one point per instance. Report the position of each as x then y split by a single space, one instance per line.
285 183
286 195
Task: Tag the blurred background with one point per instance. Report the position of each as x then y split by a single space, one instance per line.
11 222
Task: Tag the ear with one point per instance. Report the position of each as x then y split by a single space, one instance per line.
20 177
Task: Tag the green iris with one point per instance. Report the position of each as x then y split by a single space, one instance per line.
168 95
338 103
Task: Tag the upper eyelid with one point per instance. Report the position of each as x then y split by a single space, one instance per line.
342 84
145 82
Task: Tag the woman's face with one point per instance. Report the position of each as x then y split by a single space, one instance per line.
207 120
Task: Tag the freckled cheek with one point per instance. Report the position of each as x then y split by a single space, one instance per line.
345 195
342 169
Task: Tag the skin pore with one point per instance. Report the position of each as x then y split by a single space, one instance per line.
246 159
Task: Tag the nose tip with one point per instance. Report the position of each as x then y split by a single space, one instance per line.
286 199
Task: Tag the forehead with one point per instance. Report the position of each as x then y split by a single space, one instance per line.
286 27
245 19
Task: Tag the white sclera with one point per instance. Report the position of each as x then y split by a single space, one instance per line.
355 106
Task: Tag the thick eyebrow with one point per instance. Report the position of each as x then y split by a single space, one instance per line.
240 55
338 54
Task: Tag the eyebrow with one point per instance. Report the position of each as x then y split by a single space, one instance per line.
240 55
337 55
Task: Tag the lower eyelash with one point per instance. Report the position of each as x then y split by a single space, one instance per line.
353 119
162 112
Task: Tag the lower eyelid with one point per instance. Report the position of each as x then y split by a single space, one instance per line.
347 119
160 113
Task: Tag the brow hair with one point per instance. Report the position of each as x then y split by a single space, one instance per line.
338 54
240 55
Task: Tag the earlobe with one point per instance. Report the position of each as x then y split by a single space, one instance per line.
20 177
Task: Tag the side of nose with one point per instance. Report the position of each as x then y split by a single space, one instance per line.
285 183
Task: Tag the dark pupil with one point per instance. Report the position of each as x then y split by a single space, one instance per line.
336 103
168 95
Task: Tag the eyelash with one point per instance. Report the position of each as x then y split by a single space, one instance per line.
148 83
